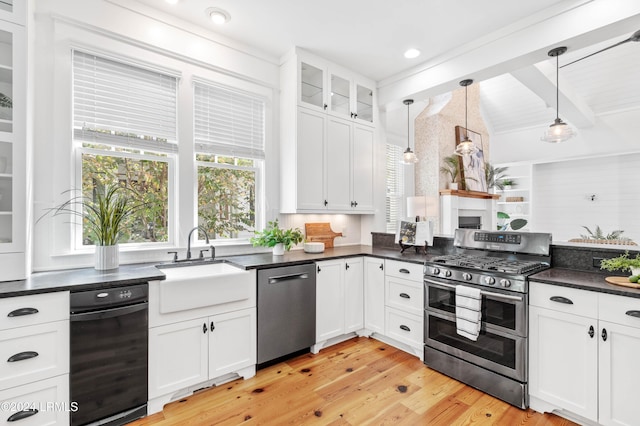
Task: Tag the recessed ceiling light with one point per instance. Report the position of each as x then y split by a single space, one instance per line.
411 53
218 16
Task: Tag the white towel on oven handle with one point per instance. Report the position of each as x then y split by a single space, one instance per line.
468 311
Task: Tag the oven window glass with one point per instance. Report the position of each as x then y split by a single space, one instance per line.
498 349
499 313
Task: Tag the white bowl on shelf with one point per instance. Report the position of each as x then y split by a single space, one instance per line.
313 247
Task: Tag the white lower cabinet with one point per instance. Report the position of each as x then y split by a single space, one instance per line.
583 350
196 348
34 347
374 295
339 299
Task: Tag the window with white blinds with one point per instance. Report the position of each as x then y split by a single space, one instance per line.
228 122
120 104
395 186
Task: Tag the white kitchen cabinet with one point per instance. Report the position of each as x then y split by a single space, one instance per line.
13 140
374 295
339 300
34 344
327 148
582 354
213 342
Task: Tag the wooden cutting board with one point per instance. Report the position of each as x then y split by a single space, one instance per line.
320 232
623 281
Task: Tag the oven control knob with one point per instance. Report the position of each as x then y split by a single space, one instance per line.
435 271
466 276
505 282
489 280
447 273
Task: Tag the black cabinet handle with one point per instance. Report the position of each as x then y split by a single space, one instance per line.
352 115
405 296
319 269
633 313
355 204
325 106
213 327
404 271
22 356
405 328
592 332
22 312
352 204
346 265
561 299
355 115
604 335
204 328
382 266
325 203
22 415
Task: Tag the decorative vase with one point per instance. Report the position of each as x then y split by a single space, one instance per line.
107 257
278 249
453 185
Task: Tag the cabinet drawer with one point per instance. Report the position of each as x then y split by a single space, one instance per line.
49 397
404 295
36 352
405 270
403 327
564 299
619 309
34 309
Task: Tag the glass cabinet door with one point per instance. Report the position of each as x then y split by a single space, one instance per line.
364 103
340 95
312 85
6 136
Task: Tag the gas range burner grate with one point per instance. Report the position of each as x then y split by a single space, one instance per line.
490 263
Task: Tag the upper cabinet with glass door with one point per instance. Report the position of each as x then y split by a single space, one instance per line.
13 11
337 91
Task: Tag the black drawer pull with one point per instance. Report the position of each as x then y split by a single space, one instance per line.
404 271
22 415
561 299
604 334
22 312
405 328
213 327
591 332
633 313
405 296
22 356
204 328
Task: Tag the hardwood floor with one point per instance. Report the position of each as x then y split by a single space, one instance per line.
358 382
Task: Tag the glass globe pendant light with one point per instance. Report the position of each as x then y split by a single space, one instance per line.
409 157
559 131
466 145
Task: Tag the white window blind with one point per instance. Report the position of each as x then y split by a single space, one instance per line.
395 186
121 104
228 122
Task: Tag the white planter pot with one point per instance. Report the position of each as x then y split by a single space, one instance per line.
453 185
107 257
278 249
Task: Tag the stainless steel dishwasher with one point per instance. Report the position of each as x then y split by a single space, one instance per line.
286 311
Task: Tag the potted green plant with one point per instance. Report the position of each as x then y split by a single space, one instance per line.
279 239
507 183
451 168
623 263
104 218
494 176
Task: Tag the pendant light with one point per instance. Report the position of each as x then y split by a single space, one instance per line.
409 157
559 131
466 145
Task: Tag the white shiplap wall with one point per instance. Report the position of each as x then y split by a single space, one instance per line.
563 192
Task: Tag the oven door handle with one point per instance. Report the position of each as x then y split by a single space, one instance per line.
485 293
109 313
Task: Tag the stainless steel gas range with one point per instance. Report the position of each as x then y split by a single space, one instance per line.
498 264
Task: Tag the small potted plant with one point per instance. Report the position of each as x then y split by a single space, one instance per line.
623 263
451 169
279 239
104 217
507 183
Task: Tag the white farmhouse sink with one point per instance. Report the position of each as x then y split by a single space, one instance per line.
197 286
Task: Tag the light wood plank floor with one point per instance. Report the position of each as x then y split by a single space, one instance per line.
358 382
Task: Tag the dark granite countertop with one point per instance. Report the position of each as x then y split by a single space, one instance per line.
582 280
90 279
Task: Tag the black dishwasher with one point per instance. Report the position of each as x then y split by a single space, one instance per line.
286 311
109 351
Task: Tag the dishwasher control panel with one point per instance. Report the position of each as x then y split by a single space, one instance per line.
83 301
